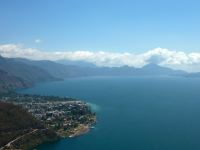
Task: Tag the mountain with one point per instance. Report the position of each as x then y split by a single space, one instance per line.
154 69
9 82
28 73
15 74
54 69
148 70
20 72
20 127
69 69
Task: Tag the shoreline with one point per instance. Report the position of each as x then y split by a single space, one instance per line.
80 130
63 116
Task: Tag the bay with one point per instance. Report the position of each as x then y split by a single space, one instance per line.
141 113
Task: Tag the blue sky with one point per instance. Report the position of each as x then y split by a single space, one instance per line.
108 25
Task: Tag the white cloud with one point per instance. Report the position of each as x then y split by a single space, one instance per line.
37 41
164 57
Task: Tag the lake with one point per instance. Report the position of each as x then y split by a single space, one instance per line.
141 113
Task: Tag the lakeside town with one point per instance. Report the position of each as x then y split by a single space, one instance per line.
66 116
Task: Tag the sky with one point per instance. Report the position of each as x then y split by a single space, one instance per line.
112 27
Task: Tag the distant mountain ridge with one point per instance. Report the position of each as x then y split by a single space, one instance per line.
53 68
29 73
9 82
20 72
60 70
154 69
14 74
76 63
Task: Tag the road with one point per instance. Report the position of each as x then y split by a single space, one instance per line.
11 142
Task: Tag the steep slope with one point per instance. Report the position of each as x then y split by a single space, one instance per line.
29 74
20 128
9 83
55 69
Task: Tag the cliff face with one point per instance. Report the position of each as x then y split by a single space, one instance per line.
20 130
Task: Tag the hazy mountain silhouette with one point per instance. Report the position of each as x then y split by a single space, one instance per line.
23 72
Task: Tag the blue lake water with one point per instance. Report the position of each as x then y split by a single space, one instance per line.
137 113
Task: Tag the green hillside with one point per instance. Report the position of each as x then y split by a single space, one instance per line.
15 122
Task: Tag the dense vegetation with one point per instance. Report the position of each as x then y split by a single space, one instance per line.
15 121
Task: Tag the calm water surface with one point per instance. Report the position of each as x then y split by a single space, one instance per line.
137 113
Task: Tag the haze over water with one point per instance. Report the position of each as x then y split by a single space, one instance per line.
141 113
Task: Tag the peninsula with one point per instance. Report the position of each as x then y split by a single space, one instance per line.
56 118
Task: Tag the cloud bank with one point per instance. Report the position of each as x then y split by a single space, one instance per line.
164 57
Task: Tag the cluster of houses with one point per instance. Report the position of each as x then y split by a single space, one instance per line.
56 113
